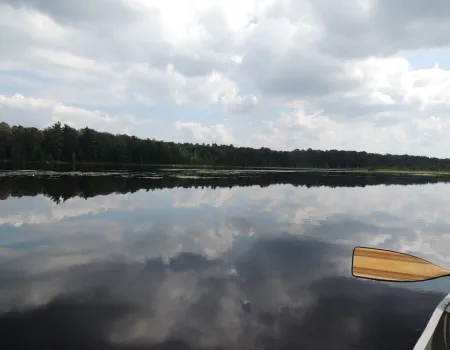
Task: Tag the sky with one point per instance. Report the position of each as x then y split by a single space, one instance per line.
366 75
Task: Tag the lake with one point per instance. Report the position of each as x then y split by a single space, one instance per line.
162 258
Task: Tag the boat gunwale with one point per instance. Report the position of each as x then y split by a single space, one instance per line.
424 342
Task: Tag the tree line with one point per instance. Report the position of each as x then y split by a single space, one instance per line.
62 143
64 187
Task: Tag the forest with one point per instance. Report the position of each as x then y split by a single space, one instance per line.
62 143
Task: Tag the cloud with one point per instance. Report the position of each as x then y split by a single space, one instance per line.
103 76
382 27
238 104
196 132
37 112
355 69
70 12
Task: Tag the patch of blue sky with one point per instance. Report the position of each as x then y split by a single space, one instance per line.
23 82
426 59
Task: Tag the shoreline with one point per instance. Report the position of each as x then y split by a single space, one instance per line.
34 165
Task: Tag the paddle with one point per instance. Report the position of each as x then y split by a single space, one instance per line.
385 265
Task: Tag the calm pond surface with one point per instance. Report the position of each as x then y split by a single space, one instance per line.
162 259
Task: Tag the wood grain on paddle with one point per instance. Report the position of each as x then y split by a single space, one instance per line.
393 266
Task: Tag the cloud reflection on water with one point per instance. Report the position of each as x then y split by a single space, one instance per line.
297 302
92 279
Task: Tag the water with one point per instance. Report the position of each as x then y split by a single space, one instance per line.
132 260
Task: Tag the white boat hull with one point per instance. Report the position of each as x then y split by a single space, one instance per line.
436 335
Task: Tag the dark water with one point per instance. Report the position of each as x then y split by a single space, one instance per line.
143 260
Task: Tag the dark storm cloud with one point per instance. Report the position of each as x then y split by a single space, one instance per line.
298 303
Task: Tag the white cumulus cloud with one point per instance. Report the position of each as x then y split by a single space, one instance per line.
358 69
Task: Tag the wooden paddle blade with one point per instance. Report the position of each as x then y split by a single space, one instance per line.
385 265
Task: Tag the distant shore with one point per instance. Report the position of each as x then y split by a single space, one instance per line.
16 165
